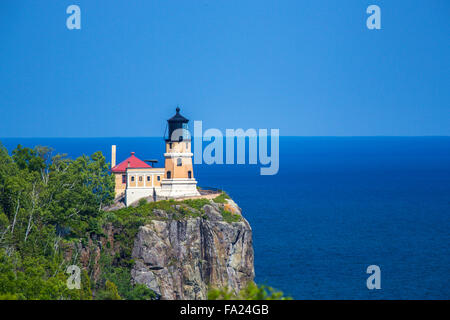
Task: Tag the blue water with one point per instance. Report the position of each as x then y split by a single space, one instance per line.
336 206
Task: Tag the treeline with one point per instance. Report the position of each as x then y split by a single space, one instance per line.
47 201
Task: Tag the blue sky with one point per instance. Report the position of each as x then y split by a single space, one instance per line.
306 67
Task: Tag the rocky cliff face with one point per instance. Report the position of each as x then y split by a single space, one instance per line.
182 258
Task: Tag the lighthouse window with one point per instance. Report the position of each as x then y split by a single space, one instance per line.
189 174
179 162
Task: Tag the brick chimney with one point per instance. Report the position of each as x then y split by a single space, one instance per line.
113 156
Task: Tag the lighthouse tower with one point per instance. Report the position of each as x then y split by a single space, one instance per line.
178 179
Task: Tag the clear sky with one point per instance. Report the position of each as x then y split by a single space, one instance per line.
306 67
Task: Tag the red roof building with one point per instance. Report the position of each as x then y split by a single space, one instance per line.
131 162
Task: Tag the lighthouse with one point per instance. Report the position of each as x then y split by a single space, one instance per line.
178 178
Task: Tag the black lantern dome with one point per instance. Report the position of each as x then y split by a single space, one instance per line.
175 123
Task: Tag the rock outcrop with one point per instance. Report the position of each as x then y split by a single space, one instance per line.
182 258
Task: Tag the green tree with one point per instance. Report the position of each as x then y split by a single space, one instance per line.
109 293
45 201
251 292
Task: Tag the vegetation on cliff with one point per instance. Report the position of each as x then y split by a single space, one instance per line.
51 217
49 205
251 292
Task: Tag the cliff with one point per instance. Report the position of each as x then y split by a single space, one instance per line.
183 252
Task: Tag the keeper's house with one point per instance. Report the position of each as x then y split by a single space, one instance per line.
136 179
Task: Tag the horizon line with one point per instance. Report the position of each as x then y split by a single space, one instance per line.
287 136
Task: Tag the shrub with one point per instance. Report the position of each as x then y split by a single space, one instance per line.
197 204
229 216
110 293
251 292
221 198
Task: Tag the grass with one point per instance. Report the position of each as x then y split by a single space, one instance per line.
142 214
196 203
229 216
221 198
131 218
